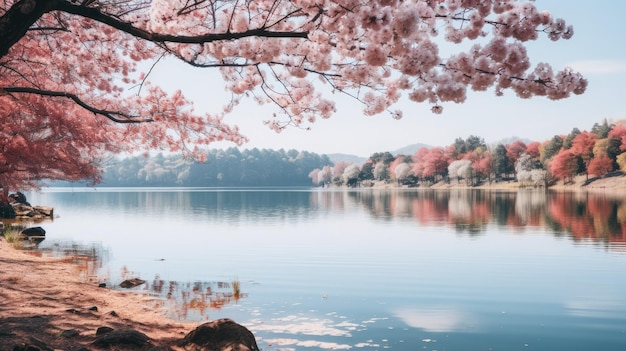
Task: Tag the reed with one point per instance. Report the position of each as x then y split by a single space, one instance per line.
13 237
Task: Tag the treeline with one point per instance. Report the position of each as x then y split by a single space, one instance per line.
593 153
229 167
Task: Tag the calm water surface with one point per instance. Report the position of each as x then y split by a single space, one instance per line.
365 269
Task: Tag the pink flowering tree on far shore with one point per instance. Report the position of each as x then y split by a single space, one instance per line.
78 62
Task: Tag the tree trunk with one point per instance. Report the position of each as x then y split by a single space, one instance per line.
18 19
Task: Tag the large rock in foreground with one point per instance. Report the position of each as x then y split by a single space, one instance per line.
220 335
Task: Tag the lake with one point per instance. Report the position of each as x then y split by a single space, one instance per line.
364 269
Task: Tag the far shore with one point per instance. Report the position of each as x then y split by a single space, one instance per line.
579 183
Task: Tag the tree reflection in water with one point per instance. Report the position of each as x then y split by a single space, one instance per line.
600 217
195 300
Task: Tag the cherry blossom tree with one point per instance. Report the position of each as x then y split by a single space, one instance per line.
80 61
600 165
515 150
582 146
564 165
436 163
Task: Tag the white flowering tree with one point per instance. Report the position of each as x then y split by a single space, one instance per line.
402 170
351 174
380 171
73 65
461 169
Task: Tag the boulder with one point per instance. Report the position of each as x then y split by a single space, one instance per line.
220 335
6 211
124 337
131 283
34 231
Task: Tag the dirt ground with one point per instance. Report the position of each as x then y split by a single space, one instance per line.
47 300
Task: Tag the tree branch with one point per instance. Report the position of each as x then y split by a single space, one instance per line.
128 119
126 27
18 20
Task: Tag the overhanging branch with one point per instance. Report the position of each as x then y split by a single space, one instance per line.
112 115
126 27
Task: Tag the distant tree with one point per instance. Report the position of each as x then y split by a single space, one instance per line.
621 161
582 147
367 171
601 130
618 132
551 148
402 172
608 147
419 159
381 171
525 171
526 163
436 164
461 169
351 175
338 170
600 165
460 147
326 175
314 175
515 150
473 142
539 177
567 142
385 157
564 165
483 166
397 161
502 163
532 149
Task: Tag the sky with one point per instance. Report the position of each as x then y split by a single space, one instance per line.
597 49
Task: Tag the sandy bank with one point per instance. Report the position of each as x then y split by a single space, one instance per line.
42 297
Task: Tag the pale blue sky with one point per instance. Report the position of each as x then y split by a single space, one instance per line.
598 50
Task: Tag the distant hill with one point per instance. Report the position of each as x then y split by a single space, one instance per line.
409 150
511 140
358 160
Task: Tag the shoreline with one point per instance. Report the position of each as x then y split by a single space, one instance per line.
45 301
579 183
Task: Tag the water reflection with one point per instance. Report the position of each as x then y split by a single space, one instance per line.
89 259
599 217
583 216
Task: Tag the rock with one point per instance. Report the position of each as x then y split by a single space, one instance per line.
34 345
34 231
131 283
114 314
103 330
69 333
102 285
44 211
22 210
220 335
18 207
6 211
19 197
127 337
